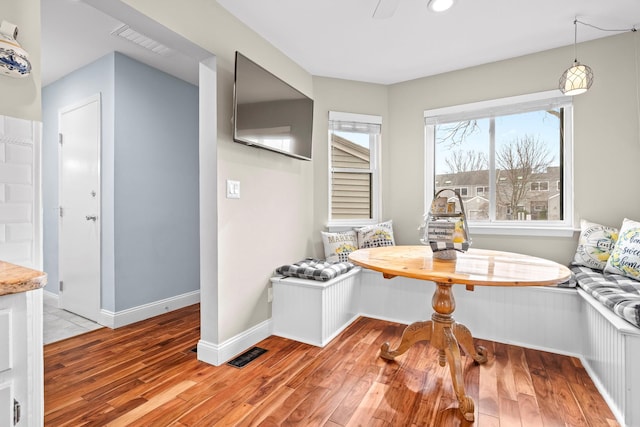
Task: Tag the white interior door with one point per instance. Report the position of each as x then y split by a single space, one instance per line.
79 232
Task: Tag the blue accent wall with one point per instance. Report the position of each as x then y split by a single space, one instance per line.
156 185
149 172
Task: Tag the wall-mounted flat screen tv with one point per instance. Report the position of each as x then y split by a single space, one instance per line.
269 113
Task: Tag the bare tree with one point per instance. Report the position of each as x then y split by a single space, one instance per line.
519 162
454 134
466 161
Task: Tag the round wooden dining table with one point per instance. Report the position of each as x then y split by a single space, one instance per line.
476 267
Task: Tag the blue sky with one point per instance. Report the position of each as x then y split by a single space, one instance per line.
538 124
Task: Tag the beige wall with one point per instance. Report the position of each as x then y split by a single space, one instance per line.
21 97
606 142
269 225
347 97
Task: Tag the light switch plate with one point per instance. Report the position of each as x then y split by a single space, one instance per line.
233 189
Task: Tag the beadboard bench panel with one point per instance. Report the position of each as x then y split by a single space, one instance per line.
311 311
611 347
559 320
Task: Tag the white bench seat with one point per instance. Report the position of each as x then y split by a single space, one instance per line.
560 320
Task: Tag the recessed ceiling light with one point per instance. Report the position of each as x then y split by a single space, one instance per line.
440 5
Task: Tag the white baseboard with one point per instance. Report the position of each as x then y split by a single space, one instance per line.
217 354
146 311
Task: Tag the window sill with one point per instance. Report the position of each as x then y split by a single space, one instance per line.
522 229
519 229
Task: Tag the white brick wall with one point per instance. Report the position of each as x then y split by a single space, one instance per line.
19 192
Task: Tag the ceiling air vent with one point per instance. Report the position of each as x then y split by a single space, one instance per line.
141 40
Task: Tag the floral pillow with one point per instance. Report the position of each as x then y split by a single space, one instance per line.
338 246
625 257
595 245
373 236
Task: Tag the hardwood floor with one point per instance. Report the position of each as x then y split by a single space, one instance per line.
146 374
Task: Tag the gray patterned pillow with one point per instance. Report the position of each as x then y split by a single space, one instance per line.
373 236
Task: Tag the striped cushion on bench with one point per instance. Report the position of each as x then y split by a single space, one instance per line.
314 269
619 293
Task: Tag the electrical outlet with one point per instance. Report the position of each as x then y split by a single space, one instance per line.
269 294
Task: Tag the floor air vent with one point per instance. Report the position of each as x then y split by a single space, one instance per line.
246 357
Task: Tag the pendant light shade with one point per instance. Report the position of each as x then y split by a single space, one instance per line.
578 78
14 60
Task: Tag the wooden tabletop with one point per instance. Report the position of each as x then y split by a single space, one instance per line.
15 279
474 267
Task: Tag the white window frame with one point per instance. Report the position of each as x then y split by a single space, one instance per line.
374 153
502 106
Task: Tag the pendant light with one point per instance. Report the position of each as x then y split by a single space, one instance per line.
578 78
14 60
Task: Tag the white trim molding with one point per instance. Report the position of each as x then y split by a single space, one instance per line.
217 354
564 227
118 319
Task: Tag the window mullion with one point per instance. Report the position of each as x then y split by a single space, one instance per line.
493 188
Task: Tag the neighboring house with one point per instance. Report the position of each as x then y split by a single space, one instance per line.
539 198
351 192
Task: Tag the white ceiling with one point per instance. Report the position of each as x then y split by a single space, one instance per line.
339 38
76 33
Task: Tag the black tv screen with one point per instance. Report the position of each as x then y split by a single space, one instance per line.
269 113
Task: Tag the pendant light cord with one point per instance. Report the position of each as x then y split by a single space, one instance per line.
576 21
615 30
637 53
575 40
635 43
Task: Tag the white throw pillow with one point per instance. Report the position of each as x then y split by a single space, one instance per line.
373 236
338 246
625 257
595 245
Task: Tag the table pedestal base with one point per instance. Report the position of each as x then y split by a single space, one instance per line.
447 336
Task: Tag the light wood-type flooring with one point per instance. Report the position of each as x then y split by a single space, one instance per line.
146 374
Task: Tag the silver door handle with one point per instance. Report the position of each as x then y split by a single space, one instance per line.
91 218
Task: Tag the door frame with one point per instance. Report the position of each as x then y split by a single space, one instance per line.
81 103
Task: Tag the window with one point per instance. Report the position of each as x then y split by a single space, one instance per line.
540 186
462 190
508 150
480 191
354 147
